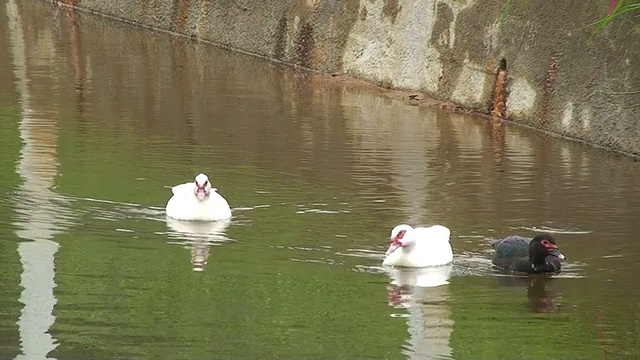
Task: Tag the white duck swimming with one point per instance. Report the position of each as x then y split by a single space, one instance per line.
419 247
197 201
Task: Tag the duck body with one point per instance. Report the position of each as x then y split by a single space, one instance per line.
419 247
197 201
529 255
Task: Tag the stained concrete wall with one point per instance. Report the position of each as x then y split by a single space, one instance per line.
561 77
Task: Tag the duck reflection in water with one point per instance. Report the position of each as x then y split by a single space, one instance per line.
199 236
412 283
424 293
540 298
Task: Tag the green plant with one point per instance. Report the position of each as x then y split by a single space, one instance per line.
618 9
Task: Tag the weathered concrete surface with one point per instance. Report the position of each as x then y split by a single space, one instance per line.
561 77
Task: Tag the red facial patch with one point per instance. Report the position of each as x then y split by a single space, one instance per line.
395 242
203 187
548 244
201 190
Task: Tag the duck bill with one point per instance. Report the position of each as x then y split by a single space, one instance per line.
557 253
201 194
393 247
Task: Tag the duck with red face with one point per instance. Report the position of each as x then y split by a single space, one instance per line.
197 201
202 187
419 247
537 255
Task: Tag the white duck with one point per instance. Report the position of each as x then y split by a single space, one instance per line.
197 201
419 247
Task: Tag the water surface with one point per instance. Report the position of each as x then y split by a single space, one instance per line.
98 119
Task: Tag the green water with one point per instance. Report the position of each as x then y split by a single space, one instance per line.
99 119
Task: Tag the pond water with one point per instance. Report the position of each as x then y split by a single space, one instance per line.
98 119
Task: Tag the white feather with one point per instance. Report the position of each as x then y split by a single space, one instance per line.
185 205
421 247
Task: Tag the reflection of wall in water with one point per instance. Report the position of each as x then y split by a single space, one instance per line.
38 214
398 149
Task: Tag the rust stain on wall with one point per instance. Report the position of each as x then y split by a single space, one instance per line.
499 98
548 91
363 14
179 22
304 46
279 50
390 9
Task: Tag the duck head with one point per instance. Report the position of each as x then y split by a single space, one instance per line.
542 246
202 187
396 239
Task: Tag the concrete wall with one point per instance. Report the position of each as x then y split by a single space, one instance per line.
560 77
